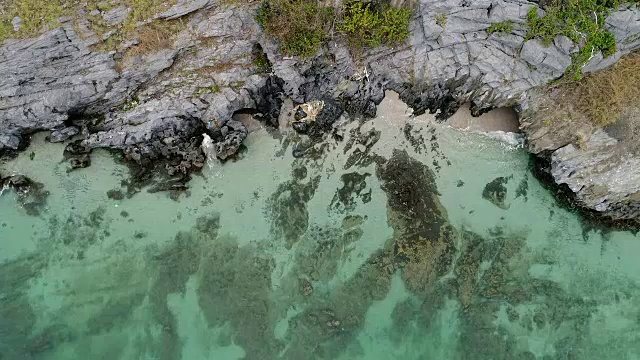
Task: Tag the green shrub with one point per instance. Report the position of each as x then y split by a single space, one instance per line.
503 27
582 21
366 25
301 26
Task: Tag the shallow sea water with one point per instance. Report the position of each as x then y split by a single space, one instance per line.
376 246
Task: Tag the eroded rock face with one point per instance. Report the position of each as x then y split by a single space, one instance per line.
603 175
596 169
157 105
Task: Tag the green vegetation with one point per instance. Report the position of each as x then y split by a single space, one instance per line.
261 61
366 25
441 19
582 21
142 10
503 27
212 89
302 26
36 15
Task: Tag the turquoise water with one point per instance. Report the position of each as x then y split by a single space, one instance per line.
378 246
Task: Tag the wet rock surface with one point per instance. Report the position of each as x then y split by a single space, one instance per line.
32 196
496 192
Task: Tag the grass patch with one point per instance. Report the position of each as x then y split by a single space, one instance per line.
212 89
143 10
503 27
604 95
301 26
155 36
582 21
260 60
441 19
34 15
366 25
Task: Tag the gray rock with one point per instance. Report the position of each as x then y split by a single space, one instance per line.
602 177
60 135
184 7
16 22
43 80
108 34
116 16
233 133
208 74
154 120
565 45
550 57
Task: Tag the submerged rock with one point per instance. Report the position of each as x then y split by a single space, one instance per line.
80 162
31 194
496 192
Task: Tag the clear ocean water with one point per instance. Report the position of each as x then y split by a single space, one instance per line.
378 244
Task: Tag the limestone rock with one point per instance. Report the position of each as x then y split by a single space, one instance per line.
158 104
116 16
602 175
229 139
184 7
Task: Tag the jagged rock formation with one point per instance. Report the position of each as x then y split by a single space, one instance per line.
148 103
598 169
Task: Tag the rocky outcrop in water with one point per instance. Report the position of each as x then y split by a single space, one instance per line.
156 105
597 169
31 195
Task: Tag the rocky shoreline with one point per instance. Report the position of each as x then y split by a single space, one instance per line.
156 106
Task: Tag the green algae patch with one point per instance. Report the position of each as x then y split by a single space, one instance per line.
421 250
424 242
174 265
235 288
18 323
